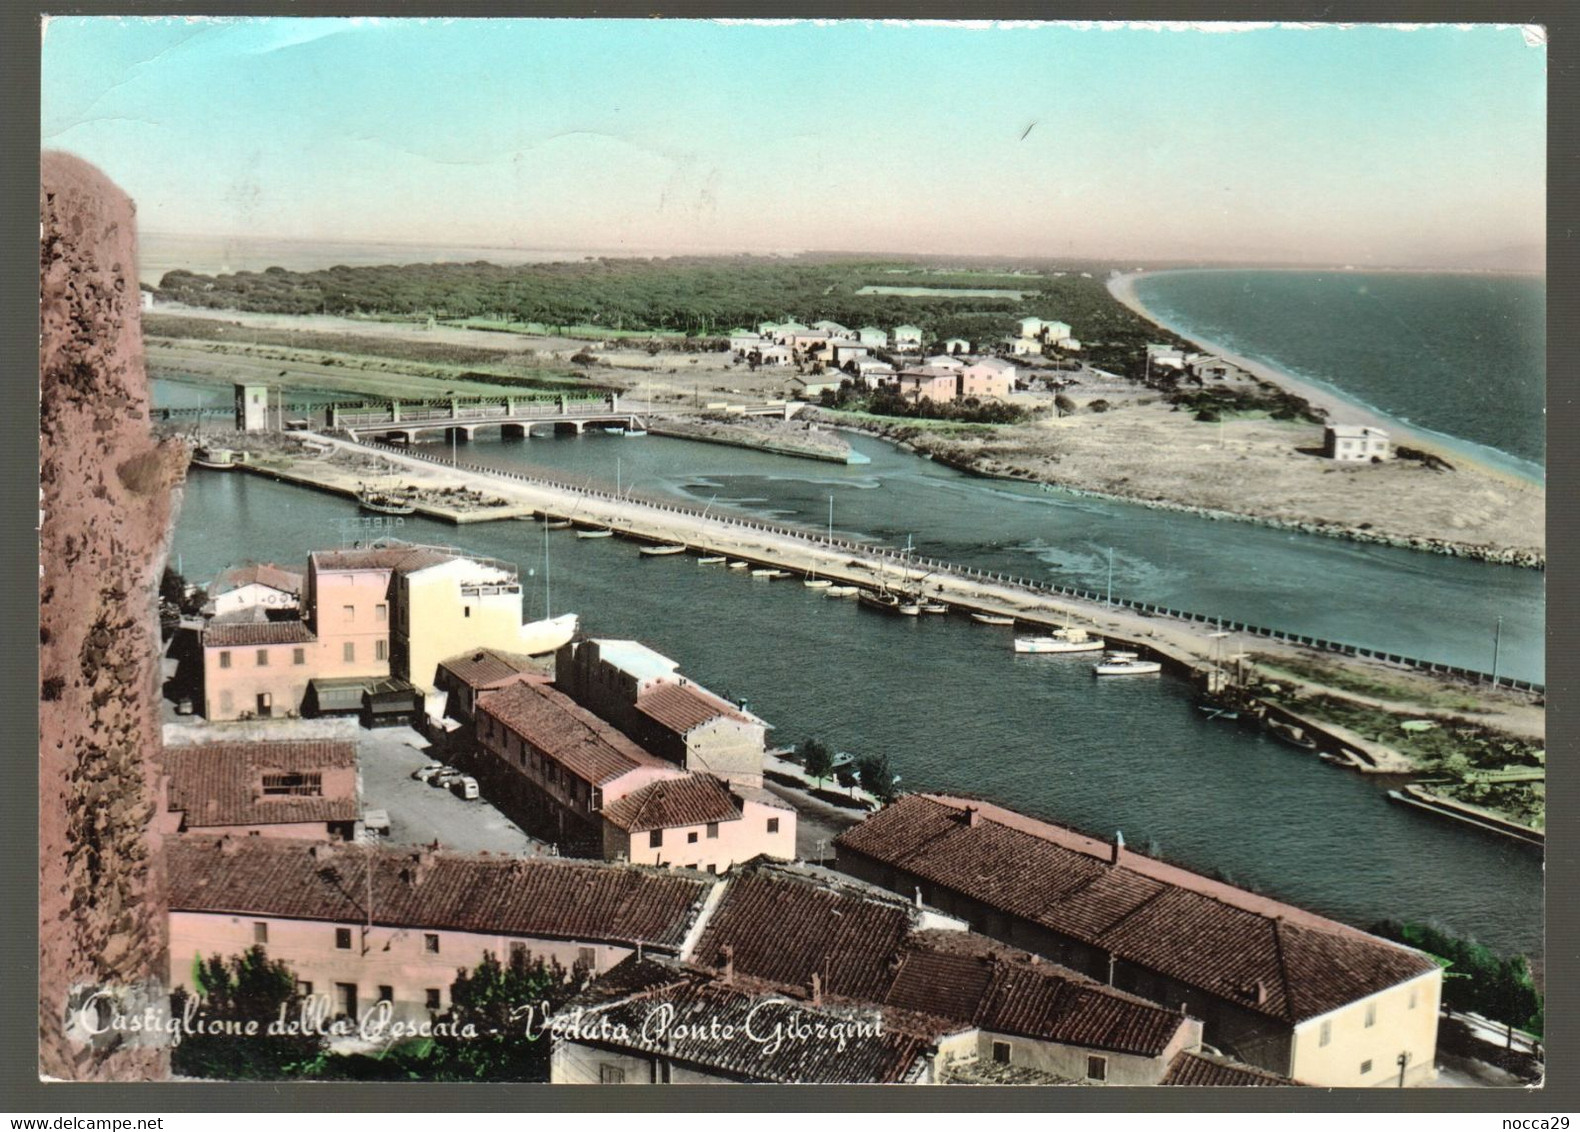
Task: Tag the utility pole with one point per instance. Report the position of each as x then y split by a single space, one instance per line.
1110 576
1497 644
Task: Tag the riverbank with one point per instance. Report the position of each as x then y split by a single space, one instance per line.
763 434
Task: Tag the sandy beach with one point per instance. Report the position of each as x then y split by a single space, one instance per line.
1340 407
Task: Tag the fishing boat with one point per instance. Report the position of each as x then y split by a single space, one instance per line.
769 572
739 565
635 432
992 619
842 591
710 560
219 459
813 582
596 532
932 606
1125 664
1061 640
662 549
556 524
889 602
396 502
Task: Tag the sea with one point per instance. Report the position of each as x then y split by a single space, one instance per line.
1459 356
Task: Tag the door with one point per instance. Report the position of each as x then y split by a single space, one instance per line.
265 705
346 999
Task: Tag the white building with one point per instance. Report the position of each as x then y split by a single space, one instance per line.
957 346
907 337
872 336
1354 443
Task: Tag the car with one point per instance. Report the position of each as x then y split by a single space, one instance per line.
446 776
426 773
465 786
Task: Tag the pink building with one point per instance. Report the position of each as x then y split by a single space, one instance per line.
698 822
290 790
256 669
932 383
990 377
307 904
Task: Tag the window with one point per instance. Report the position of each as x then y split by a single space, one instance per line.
298 656
1001 1052
1366 1067
224 658
343 939
346 996
386 994
348 652
773 825
263 658
713 868
466 610
610 1074
349 612
1096 1068
1325 1035
304 988
302 784
655 839
381 613
713 829
432 996
691 838
1371 1014
586 958
381 650
260 932
430 943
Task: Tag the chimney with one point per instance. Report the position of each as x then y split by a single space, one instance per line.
918 896
973 817
728 953
228 845
1261 993
1118 852
817 989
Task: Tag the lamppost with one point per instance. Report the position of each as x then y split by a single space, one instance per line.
1402 1060
1497 643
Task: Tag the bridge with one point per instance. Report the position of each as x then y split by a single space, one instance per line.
513 416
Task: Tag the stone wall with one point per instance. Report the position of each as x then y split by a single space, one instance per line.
107 509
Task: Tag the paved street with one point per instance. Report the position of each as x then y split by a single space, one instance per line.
419 813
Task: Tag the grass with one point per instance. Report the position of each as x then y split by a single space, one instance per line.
955 428
545 330
1343 679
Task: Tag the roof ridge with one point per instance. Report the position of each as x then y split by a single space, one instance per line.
1283 969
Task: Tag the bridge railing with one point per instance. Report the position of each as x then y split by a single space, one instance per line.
913 563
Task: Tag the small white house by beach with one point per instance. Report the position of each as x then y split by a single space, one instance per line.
1354 443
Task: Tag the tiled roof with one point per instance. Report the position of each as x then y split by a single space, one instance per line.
403 559
1202 1069
217 784
782 925
240 634
544 897
482 667
684 707
696 799
712 1024
1256 952
260 573
566 732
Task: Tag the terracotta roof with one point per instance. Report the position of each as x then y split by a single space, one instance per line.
696 799
239 634
711 1022
782 925
1256 952
402 559
216 784
481 667
1203 1069
566 732
684 707
543 897
260 573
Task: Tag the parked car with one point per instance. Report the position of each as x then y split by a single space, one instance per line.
465 787
426 773
445 777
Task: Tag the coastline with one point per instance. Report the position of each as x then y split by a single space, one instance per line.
1336 402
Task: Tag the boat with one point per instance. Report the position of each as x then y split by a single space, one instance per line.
1125 664
739 565
596 532
1061 640
547 635
710 560
662 549
933 606
219 459
556 524
889 602
992 619
635 432
397 502
842 591
813 582
769 572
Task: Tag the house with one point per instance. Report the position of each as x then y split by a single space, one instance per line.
908 338
872 369
254 592
1275 986
553 765
430 914
744 341
1031 328
957 346
805 387
1054 331
1354 442
788 330
463 680
1164 356
849 351
1023 347
834 947
698 822
775 356
145 299
643 693
273 789
256 669
944 361
989 377
934 383
872 336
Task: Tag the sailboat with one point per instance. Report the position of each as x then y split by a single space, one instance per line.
812 581
547 635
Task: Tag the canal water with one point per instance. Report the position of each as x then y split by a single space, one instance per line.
947 700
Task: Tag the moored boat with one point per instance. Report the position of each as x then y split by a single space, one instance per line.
1063 640
596 532
397 502
816 583
662 549
889 602
992 619
842 591
710 560
739 565
219 459
1125 664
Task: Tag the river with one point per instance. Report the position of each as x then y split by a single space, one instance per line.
954 708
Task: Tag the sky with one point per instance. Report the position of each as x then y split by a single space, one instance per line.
1323 145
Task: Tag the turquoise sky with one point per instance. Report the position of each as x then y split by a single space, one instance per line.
1365 145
